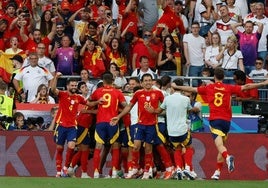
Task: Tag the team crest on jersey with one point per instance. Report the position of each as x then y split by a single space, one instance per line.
72 102
148 98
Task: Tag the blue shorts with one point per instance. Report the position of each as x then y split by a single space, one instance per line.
105 133
123 138
82 136
131 134
63 134
219 128
145 133
161 130
183 140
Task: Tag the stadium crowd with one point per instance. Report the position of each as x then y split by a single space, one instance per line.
135 47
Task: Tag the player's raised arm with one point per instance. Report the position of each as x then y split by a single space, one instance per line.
126 110
184 88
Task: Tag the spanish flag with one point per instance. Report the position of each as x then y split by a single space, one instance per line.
6 66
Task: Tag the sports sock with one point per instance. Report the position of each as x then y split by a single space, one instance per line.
84 159
188 157
148 160
165 156
76 158
59 159
115 158
178 158
69 155
224 154
96 159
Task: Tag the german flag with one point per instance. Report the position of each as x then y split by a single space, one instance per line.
6 66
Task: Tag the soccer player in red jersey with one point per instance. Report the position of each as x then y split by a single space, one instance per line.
105 133
218 97
84 121
66 121
146 126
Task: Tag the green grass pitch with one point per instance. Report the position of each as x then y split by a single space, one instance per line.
28 182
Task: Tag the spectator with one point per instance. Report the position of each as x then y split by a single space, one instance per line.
194 51
234 11
232 59
259 71
53 113
208 15
92 58
14 46
85 77
90 31
119 79
115 53
3 28
30 44
169 58
144 69
223 25
65 56
79 25
145 47
42 96
18 123
260 17
45 23
43 60
248 43
212 52
148 13
179 12
241 78
32 76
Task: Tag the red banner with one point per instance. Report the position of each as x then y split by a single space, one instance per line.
24 153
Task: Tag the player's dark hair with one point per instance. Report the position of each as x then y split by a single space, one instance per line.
165 80
219 73
69 80
146 75
136 79
178 82
240 75
80 84
108 78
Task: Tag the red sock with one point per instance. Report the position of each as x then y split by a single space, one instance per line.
124 156
59 159
148 160
219 165
165 156
135 158
224 154
129 165
96 159
178 158
115 158
69 155
188 156
84 159
75 159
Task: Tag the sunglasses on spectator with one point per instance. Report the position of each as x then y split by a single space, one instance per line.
258 63
147 35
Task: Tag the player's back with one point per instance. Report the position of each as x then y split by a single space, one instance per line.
109 108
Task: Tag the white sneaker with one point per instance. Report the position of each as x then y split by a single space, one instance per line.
85 175
96 174
146 176
230 163
194 174
132 173
216 175
189 174
114 173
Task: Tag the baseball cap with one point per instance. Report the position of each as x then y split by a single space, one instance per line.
17 58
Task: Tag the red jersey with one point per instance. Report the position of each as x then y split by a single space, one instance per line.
170 19
141 50
85 119
68 108
30 45
249 93
130 17
145 98
114 57
109 108
218 97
